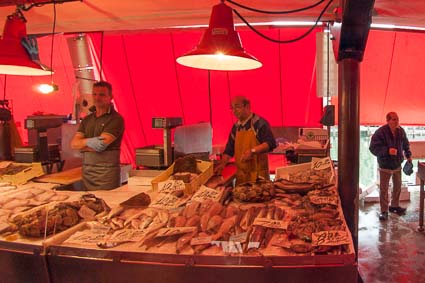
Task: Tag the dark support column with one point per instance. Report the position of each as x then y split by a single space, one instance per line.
349 142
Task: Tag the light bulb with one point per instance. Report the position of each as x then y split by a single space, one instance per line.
47 88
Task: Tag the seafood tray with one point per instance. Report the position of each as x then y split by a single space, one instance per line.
171 236
205 167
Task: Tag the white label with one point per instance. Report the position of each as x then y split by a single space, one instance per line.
86 237
321 164
229 246
330 238
204 193
130 235
200 241
166 201
270 223
324 200
170 186
163 232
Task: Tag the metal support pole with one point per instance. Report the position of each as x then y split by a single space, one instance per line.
349 142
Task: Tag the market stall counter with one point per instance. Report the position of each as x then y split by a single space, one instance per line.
291 229
22 259
268 240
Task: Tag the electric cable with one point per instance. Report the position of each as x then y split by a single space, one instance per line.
4 88
179 93
133 92
101 56
53 41
275 12
284 41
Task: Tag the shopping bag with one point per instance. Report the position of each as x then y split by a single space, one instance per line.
408 168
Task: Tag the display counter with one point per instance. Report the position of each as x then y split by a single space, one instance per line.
161 260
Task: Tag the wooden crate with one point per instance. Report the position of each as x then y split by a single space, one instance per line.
284 172
205 167
35 170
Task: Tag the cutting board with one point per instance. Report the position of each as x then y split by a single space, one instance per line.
65 177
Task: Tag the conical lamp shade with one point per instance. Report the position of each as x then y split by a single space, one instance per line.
14 58
220 47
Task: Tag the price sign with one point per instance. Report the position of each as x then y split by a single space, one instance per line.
166 201
324 200
164 232
204 193
128 235
170 186
330 238
321 164
229 246
85 237
200 241
270 223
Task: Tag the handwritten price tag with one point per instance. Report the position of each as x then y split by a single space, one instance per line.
164 232
130 235
330 238
204 193
321 164
270 223
170 186
324 200
229 246
86 237
166 201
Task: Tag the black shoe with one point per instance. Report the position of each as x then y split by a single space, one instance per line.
383 216
397 209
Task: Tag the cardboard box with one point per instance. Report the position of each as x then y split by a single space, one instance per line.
206 168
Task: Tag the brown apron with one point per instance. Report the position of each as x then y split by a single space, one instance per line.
257 166
101 171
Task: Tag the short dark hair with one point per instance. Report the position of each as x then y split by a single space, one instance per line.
104 84
390 114
242 99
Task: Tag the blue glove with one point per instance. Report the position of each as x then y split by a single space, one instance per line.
96 143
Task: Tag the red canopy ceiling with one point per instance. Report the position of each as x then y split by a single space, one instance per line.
391 78
148 82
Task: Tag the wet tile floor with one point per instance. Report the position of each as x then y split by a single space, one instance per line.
391 251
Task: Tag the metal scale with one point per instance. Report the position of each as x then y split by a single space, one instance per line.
47 154
159 156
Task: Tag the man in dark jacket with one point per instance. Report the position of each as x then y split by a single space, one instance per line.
390 145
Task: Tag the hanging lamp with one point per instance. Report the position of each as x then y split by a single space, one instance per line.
220 47
19 52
